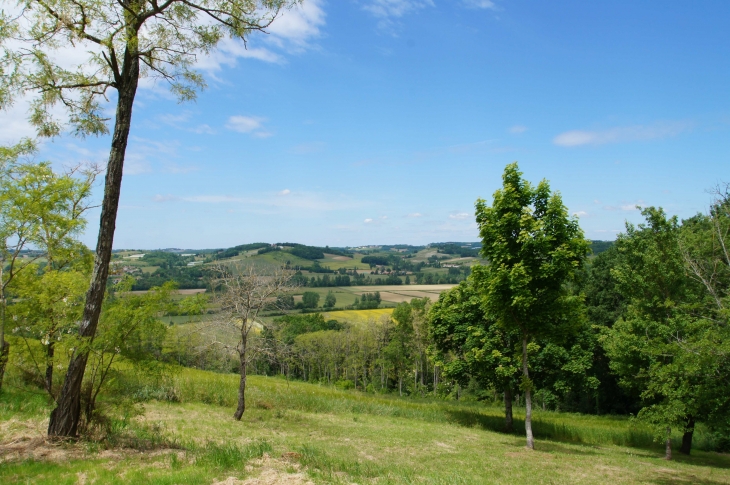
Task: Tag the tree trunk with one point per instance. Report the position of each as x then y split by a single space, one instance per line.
508 424
65 418
241 391
4 345
668 445
4 353
528 397
50 350
687 437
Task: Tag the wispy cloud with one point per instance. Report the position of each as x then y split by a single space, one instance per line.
485 4
368 220
459 216
285 200
517 129
621 134
415 214
252 125
395 8
292 32
387 11
580 214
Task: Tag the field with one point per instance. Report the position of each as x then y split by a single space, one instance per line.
358 316
298 433
390 294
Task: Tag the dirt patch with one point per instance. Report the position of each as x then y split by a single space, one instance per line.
341 258
34 448
272 472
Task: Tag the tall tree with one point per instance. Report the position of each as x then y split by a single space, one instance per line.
671 345
467 343
123 42
533 248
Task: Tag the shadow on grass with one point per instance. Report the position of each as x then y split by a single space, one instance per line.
684 478
706 458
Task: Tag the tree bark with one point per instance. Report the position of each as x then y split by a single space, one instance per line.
687 437
528 397
241 390
4 353
668 445
50 351
65 418
4 345
508 423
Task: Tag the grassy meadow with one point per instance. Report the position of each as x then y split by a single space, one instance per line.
299 433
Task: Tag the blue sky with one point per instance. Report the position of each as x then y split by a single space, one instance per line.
382 121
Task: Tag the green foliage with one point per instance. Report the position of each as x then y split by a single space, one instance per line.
310 299
367 301
330 300
534 249
664 347
467 343
288 327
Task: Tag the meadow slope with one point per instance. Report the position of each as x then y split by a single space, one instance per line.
295 432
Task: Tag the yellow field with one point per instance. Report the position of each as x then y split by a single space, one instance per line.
358 316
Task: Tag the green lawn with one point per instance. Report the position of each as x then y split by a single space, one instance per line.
294 432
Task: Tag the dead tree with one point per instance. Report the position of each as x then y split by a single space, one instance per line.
242 293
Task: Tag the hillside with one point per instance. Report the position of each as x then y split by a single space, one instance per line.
298 433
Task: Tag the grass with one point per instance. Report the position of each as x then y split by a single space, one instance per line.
295 431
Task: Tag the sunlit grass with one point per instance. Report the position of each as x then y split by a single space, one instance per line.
337 436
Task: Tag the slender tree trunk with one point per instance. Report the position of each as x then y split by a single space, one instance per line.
668 445
50 350
241 388
687 437
65 418
4 345
508 424
528 397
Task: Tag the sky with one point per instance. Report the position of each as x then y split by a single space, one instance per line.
358 122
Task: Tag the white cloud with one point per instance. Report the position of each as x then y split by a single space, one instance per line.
460 216
580 214
517 129
285 192
252 125
415 214
290 33
164 198
486 4
203 129
298 25
368 220
621 134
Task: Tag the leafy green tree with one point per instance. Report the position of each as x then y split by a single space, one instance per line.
399 351
43 210
122 42
533 248
310 299
468 344
646 345
672 345
330 300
